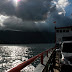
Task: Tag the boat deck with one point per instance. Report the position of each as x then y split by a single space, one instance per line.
51 62
54 66
40 67
57 67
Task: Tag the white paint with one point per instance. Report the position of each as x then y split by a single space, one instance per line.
63 34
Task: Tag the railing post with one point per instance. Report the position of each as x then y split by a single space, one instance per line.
47 53
42 59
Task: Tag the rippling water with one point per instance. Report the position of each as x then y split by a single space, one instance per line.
12 55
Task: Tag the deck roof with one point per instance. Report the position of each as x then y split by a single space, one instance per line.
63 27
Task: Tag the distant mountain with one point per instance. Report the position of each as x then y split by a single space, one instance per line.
18 37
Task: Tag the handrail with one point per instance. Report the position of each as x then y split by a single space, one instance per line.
29 61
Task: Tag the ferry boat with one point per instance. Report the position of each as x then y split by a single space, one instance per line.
64 39
52 61
63 34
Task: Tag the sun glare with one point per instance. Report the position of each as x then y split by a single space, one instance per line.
16 2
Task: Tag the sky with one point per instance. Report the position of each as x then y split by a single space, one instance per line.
35 15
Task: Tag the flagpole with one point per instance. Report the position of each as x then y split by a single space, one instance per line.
55 32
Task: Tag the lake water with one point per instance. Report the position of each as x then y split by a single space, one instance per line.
12 55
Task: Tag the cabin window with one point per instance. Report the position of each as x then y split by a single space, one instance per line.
60 31
67 47
63 30
67 30
71 29
57 30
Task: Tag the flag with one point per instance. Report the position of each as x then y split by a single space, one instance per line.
54 22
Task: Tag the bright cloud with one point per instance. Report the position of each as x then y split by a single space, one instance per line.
2 19
61 5
60 13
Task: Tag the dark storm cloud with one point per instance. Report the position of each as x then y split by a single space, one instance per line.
17 24
14 23
30 10
61 21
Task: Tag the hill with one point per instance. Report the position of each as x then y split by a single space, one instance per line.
19 37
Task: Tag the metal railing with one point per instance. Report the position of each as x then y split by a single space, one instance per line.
29 61
51 63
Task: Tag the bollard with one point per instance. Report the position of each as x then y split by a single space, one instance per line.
42 59
47 53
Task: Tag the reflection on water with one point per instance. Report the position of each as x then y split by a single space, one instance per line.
12 55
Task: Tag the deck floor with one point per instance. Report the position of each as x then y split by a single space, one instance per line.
57 67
